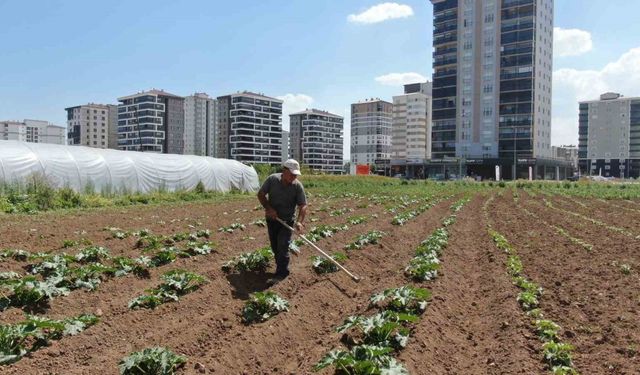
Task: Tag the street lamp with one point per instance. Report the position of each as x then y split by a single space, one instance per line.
514 154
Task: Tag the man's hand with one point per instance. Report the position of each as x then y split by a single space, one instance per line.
299 226
271 213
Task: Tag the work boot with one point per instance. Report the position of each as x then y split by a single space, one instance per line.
277 278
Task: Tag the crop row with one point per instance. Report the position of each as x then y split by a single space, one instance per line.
52 275
372 341
556 354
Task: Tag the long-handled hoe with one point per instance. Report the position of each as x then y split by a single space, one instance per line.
354 277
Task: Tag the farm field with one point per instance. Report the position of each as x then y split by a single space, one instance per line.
498 279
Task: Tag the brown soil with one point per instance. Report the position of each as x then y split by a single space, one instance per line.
473 324
596 305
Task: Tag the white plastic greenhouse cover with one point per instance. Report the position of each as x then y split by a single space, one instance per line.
78 167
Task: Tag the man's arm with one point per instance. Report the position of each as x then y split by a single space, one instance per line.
302 212
270 212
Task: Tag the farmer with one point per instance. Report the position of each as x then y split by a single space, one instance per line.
279 195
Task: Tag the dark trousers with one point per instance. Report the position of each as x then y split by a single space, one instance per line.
280 237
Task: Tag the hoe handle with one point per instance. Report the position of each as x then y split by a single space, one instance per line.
354 277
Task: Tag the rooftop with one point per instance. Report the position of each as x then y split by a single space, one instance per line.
262 96
314 111
150 92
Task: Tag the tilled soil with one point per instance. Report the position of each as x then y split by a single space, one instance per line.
473 324
586 293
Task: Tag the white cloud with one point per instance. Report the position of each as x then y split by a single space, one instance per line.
381 13
571 42
399 79
571 86
293 103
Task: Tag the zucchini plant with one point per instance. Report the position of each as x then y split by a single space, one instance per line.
262 306
372 237
254 261
176 284
322 265
362 360
155 360
17 340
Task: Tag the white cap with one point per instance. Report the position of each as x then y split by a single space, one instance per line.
293 166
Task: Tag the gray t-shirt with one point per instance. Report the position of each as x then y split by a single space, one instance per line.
284 199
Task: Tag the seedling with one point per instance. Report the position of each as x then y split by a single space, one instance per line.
557 354
547 330
362 360
254 261
355 220
373 237
231 228
323 265
155 360
35 332
176 284
383 329
406 299
262 306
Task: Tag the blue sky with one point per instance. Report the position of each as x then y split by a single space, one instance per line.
57 53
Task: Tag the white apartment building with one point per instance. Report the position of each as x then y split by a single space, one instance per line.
316 140
93 125
250 128
35 131
371 131
411 124
200 117
609 136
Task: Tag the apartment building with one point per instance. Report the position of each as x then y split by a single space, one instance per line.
371 122
286 148
34 131
200 117
492 83
151 121
93 125
316 140
250 128
609 136
411 124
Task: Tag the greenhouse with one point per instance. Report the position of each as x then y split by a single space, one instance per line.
103 170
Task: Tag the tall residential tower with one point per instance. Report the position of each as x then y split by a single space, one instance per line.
151 121
250 128
199 125
411 130
371 131
492 81
316 140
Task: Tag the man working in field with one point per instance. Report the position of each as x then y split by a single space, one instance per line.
279 195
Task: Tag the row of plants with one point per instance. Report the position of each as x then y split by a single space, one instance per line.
37 194
52 275
560 230
556 354
371 342
610 227
425 264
